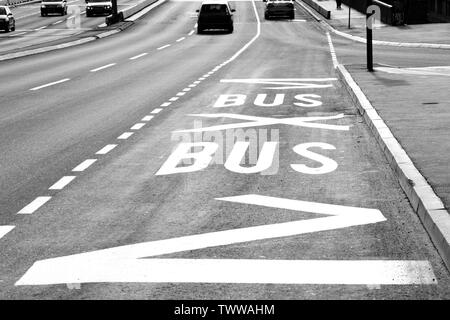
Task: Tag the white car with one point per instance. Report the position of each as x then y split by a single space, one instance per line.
7 21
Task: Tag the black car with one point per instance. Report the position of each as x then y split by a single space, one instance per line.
7 21
215 15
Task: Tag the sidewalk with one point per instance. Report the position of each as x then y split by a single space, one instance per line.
436 33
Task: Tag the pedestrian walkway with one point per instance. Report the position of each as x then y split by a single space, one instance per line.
436 33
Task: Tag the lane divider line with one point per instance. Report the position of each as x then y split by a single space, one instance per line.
49 84
84 165
139 56
125 135
106 149
138 126
103 67
61 183
34 205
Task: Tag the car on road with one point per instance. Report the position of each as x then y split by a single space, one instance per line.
95 7
7 21
215 14
279 8
53 6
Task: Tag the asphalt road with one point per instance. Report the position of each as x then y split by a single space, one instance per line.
314 213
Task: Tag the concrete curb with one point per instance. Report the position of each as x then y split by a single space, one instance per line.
375 42
424 201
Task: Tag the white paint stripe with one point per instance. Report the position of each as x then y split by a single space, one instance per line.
49 84
191 33
64 181
84 165
157 110
332 51
34 205
4 230
147 118
166 104
163 47
174 99
181 94
125 135
106 149
138 126
139 56
181 39
103 67
187 89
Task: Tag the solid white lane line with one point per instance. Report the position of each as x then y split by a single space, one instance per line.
139 56
181 39
181 94
106 149
163 47
174 99
191 33
64 181
137 126
84 165
125 135
166 104
332 51
157 110
34 205
4 230
187 89
49 84
147 118
103 67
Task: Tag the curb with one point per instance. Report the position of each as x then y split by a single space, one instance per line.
425 203
376 42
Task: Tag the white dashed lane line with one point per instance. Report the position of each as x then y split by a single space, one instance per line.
49 84
84 165
64 181
137 126
125 135
103 67
139 56
163 47
106 149
34 205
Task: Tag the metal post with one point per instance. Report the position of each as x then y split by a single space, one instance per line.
369 42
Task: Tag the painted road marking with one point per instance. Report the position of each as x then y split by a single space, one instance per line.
293 83
265 121
125 263
163 47
4 230
139 56
332 51
64 181
49 84
125 135
181 39
34 205
106 149
157 110
103 67
84 165
147 118
137 126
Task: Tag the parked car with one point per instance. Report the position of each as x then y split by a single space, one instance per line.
53 6
215 14
7 21
279 8
94 7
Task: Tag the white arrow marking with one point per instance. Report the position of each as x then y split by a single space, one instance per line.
125 263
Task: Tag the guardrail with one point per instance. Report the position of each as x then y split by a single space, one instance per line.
324 12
